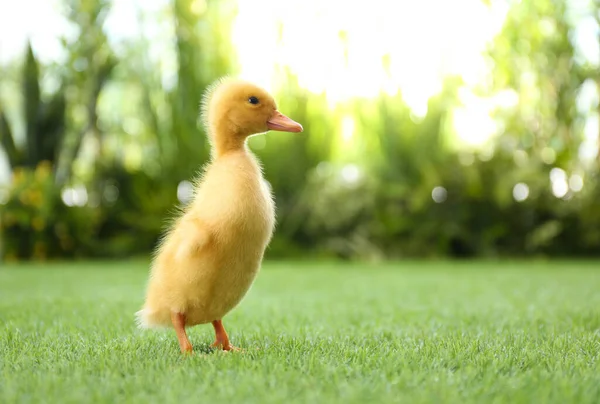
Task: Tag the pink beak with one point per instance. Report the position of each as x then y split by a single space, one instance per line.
282 123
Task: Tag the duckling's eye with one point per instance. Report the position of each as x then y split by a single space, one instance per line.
253 100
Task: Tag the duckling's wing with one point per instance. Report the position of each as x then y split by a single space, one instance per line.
193 236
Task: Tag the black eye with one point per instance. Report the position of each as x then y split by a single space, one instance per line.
253 100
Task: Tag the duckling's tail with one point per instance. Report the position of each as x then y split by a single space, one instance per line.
146 318
141 319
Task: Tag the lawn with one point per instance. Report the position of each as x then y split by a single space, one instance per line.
409 332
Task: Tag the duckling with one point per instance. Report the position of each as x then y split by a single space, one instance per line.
212 252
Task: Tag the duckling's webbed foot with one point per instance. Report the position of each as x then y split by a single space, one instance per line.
178 320
222 340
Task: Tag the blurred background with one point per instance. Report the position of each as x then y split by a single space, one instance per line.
432 129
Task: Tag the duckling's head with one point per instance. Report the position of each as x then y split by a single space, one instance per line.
234 109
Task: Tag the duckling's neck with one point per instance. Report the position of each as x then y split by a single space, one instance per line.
227 139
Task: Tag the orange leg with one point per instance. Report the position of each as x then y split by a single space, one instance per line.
178 320
222 338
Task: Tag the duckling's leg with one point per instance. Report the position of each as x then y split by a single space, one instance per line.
178 320
222 338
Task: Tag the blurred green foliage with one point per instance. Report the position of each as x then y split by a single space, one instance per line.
116 126
44 122
37 224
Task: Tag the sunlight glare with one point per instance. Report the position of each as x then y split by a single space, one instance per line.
338 48
576 182
472 121
347 128
439 194
520 192
558 182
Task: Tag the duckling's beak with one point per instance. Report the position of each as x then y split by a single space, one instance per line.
282 123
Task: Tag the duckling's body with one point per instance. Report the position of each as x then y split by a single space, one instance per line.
231 229
208 260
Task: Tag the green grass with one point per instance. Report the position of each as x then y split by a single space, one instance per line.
323 333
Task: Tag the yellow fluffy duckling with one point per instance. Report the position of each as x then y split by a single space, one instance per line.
208 260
